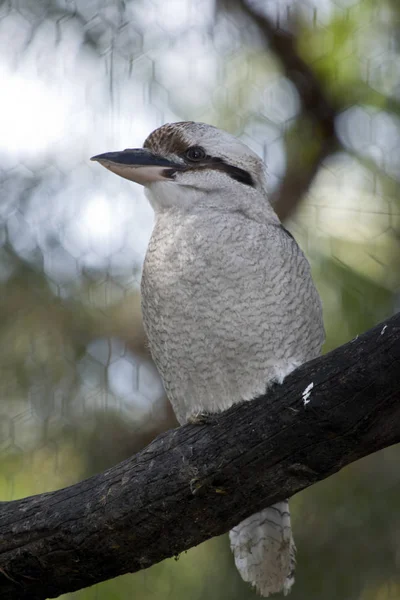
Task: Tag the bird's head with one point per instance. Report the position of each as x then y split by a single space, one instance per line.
187 165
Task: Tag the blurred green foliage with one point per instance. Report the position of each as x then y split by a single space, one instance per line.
63 414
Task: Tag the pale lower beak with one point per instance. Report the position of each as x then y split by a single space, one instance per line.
139 165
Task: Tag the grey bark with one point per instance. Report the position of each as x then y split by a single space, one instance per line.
196 482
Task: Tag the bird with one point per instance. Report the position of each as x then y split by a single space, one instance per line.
228 300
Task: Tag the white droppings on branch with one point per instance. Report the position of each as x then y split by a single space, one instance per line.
307 394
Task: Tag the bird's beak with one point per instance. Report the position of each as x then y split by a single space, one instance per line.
139 165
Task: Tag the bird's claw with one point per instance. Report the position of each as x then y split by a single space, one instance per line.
195 486
201 419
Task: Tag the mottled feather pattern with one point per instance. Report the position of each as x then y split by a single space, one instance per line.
220 304
229 307
168 139
267 537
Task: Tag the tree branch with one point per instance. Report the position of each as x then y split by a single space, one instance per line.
195 482
316 107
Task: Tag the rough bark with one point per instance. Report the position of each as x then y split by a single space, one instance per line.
196 482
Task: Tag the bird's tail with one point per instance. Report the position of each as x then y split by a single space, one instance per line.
264 550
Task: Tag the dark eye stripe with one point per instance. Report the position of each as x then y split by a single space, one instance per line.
235 173
218 164
239 174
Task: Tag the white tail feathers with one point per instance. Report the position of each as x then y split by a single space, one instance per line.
264 550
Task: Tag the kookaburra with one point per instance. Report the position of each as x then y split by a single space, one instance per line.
228 301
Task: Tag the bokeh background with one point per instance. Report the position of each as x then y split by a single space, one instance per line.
313 86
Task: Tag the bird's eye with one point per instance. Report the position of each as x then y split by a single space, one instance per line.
195 153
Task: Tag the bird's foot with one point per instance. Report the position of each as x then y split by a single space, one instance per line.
201 419
196 485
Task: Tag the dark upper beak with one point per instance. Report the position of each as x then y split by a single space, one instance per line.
139 165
